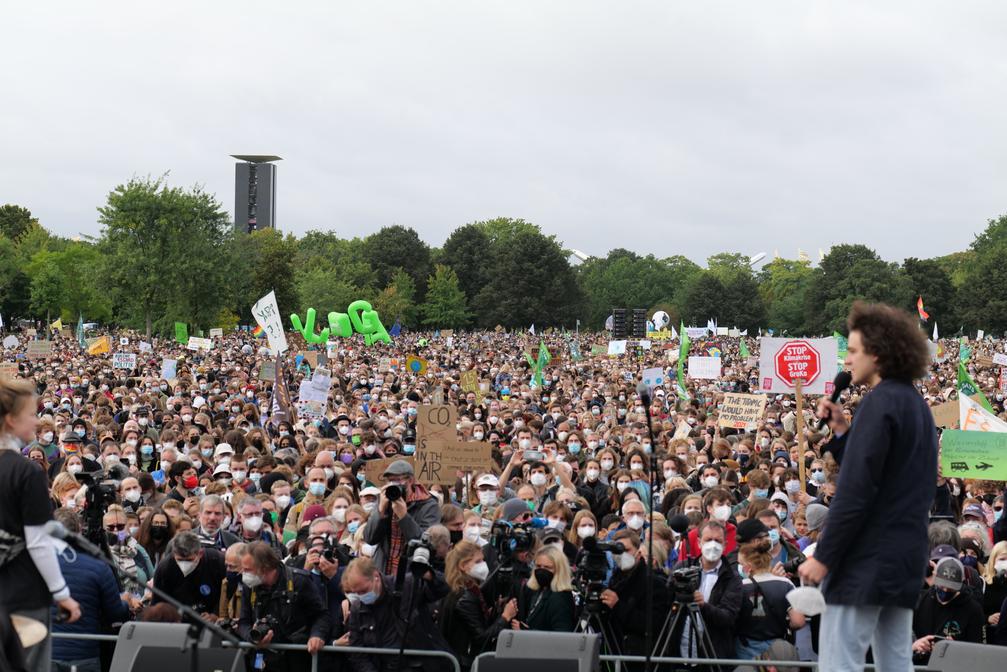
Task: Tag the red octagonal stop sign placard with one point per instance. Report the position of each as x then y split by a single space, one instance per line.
797 360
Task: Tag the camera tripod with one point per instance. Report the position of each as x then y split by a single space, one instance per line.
589 621
699 636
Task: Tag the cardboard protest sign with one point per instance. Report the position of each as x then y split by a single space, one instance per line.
682 430
8 370
977 455
216 333
597 350
784 361
740 411
435 422
124 360
441 460
373 469
267 316
470 383
39 348
197 343
416 365
267 371
66 332
946 415
704 367
447 333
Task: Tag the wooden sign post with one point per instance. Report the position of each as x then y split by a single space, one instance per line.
802 470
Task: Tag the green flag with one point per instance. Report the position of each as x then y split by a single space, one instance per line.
968 387
744 350
964 351
182 333
539 365
841 344
80 332
683 354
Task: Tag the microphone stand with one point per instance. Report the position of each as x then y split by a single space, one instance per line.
646 398
197 624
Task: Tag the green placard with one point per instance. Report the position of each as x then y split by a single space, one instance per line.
977 455
182 333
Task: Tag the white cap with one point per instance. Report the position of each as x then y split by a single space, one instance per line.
222 469
488 479
370 491
223 449
198 402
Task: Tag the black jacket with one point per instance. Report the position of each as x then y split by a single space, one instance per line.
874 542
382 625
629 616
294 601
469 624
547 611
721 611
962 618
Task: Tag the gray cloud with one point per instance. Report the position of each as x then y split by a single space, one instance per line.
671 128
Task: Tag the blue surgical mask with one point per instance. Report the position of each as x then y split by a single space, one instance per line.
818 477
369 597
147 450
762 492
774 537
316 489
353 526
574 448
742 572
408 448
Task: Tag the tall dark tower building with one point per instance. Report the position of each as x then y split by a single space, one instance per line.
255 192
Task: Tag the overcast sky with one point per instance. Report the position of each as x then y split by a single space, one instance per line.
664 127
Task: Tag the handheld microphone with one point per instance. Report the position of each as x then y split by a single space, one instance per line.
539 523
842 381
679 524
56 529
643 391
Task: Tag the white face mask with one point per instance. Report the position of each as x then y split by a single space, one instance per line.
472 533
607 464
670 473
282 501
478 436
132 496
621 485
75 468
722 512
479 571
339 515
585 531
635 522
252 523
793 487
186 566
525 444
1001 565
626 561
557 524
710 481
367 550
251 580
592 474
537 479
487 497
712 551
369 506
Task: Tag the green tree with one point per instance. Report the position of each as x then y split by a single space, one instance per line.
982 297
624 279
929 280
264 261
325 290
467 251
395 247
165 253
67 284
15 221
840 280
702 299
726 265
741 305
397 300
783 284
533 282
445 306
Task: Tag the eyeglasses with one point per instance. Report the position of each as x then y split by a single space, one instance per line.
115 528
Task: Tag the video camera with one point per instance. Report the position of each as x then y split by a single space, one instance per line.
684 583
420 553
510 538
592 570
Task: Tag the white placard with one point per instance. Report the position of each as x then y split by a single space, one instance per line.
10 342
169 368
1000 359
704 367
654 377
267 316
617 347
124 360
123 341
782 360
145 347
216 333
723 331
196 343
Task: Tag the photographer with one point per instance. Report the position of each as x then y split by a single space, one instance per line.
380 615
280 605
467 621
405 511
626 598
326 559
192 574
719 592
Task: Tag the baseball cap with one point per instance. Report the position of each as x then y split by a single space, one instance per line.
943 551
222 469
223 449
974 510
370 491
751 528
488 479
949 574
513 508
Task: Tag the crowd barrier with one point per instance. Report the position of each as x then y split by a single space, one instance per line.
296 647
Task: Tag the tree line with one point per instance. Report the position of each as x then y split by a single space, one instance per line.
167 254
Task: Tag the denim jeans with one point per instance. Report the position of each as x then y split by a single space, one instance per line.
847 631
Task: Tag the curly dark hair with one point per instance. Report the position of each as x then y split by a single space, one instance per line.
891 335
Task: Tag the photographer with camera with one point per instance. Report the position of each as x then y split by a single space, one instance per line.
192 574
626 596
326 559
405 511
280 605
467 621
386 612
716 591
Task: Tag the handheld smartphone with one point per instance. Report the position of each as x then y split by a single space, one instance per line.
536 455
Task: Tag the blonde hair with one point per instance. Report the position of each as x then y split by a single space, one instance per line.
63 483
453 574
14 394
561 579
999 552
583 514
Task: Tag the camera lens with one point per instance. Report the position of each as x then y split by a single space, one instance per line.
393 492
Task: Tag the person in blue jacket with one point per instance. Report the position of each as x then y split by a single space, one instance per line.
94 587
871 570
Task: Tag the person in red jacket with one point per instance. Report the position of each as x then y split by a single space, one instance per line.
717 504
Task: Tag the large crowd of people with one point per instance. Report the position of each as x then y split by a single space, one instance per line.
209 487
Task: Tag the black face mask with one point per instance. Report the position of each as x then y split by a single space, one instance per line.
544 578
455 536
158 532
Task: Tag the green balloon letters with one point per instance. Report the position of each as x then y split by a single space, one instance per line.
359 316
